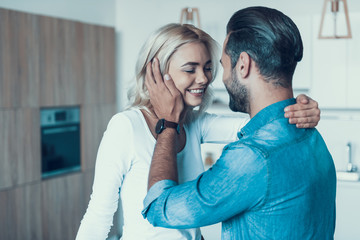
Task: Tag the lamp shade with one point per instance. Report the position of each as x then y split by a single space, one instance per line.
335 23
190 16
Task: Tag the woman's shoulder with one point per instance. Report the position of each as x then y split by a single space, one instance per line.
197 117
126 118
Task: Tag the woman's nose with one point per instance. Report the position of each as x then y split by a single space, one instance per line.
202 78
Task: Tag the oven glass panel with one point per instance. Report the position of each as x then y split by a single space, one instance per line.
60 141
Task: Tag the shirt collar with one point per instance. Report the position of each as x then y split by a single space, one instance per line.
266 115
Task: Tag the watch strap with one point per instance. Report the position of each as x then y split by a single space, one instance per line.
169 124
163 124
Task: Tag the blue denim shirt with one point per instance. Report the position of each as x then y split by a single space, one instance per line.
275 182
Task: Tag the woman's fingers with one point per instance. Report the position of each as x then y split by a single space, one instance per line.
305 113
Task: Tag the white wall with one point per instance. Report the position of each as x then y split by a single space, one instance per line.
136 19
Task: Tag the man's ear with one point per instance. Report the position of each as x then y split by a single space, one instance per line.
243 64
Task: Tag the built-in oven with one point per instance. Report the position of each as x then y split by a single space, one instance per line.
60 140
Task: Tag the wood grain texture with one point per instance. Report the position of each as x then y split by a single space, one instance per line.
7 148
20 215
27 142
63 202
49 71
19 78
5 59
94 120
49 62
99 65
20 152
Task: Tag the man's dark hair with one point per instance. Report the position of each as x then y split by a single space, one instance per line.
270 38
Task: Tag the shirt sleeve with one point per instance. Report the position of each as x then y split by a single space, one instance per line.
112 163
221 129
237 182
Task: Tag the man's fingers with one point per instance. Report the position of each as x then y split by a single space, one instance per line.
312 121
156 71
306 125
299 107
171 85
149 78
303 99
304 113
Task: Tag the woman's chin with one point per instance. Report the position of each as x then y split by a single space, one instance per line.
192 105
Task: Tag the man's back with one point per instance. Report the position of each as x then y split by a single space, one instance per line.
296 183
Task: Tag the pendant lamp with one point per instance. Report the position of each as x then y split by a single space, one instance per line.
335 23
187 16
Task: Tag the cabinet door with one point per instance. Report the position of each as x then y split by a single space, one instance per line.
329 70
353 86
347 211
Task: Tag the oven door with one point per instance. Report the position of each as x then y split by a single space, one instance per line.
60 147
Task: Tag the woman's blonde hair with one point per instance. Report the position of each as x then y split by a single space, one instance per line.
162 44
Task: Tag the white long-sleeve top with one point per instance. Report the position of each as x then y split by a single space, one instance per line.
123 163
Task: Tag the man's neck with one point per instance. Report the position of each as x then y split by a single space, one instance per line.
261 98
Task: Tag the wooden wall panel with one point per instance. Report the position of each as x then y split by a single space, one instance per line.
20 216
76 59
20 152
7 148
5 59
107 65
94 121
63 202
90 59
28 208
27 142
99 65
49 71
7 219
26 65
68 51
49 62
19 78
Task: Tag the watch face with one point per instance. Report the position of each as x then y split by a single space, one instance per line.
159 126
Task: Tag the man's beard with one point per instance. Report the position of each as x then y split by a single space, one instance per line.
239 96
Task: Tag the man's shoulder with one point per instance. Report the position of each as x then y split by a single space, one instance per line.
277 134
244 149
273 136
243 158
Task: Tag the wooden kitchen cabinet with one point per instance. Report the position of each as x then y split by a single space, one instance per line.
94 122
49 62
20 215
64 203
336 68
20 152
19 68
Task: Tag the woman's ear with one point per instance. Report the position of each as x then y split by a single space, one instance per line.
243 64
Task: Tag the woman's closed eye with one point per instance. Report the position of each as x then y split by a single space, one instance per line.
208 69
189 70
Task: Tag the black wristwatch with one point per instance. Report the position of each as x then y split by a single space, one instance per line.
162 124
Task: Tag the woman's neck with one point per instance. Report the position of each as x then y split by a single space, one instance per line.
153 116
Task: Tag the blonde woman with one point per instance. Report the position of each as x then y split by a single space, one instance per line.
190 56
